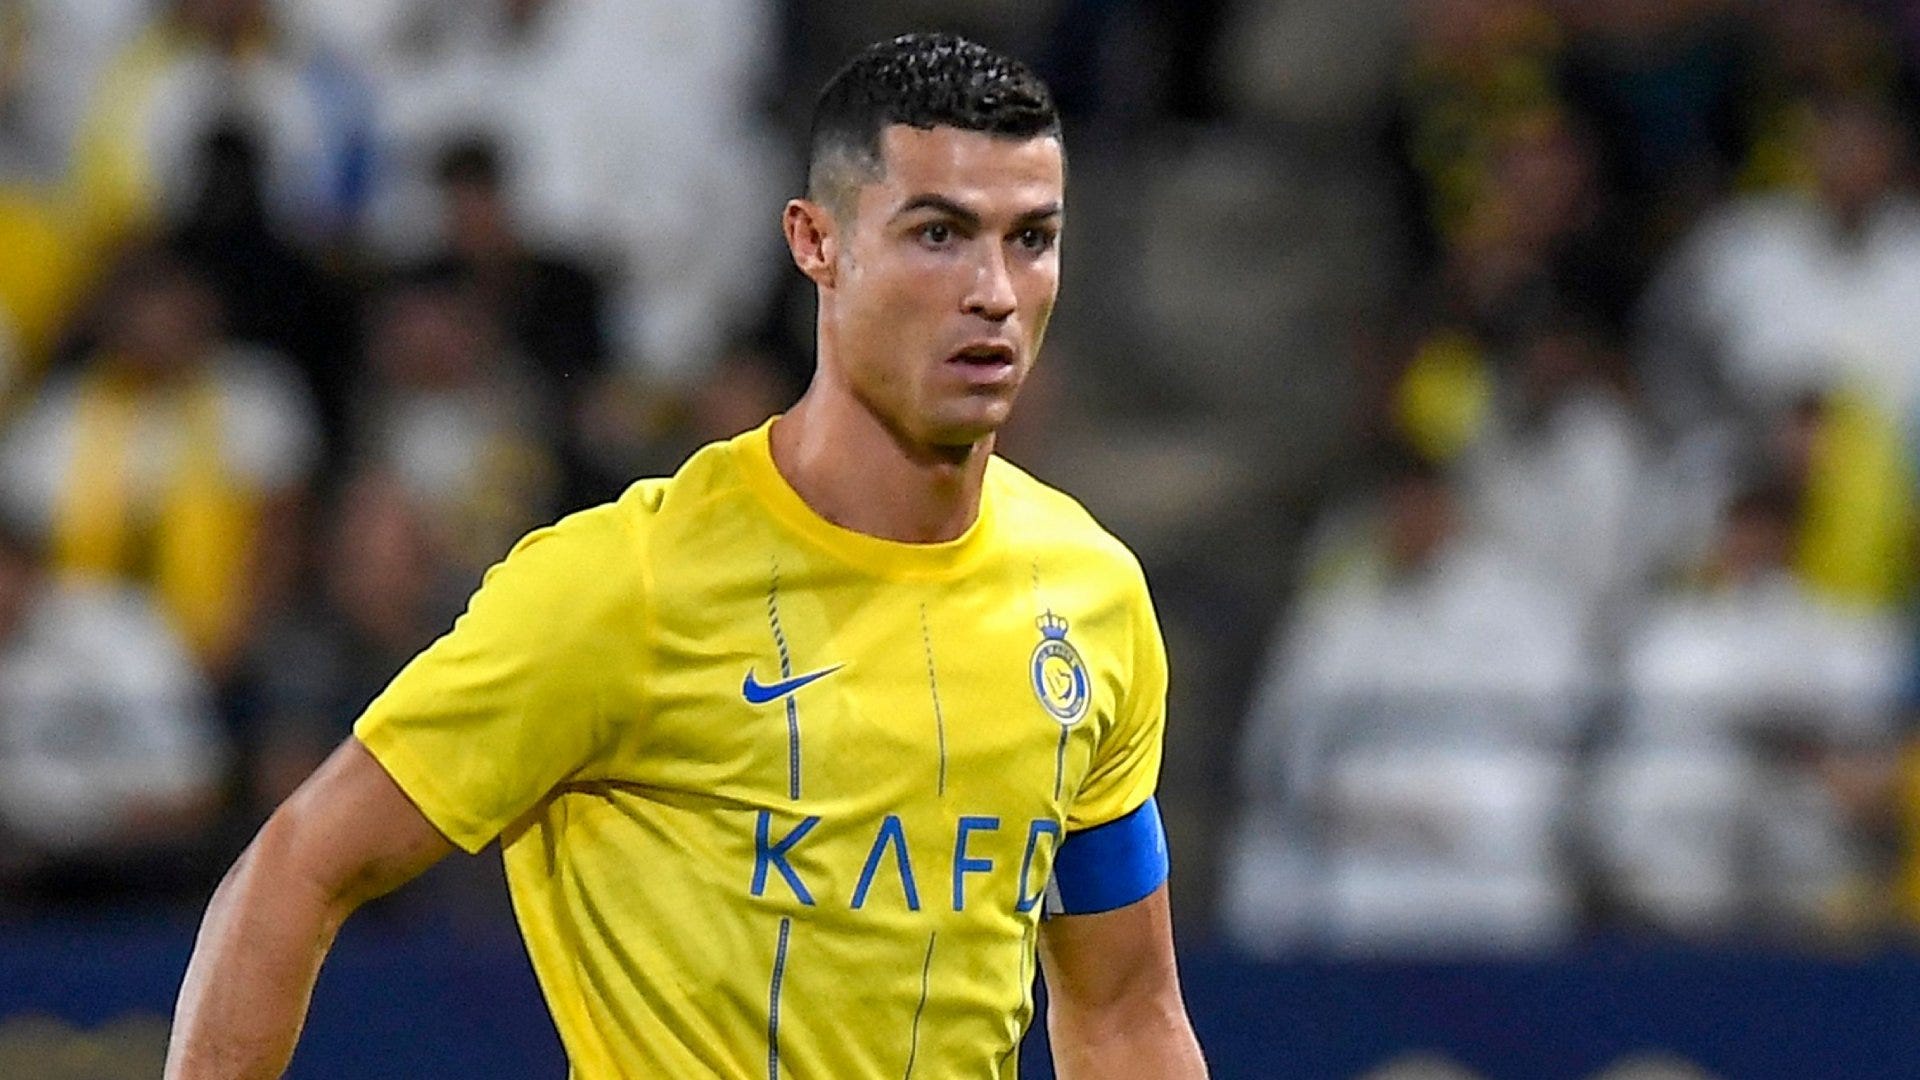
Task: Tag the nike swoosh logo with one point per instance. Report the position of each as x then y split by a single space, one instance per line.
758 693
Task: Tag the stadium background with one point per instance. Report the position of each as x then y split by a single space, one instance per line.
1513 402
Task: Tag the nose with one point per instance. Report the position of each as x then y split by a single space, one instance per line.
991 296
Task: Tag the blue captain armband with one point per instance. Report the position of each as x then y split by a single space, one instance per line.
1110 865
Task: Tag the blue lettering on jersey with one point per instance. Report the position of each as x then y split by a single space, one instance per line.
893 834
1040 827
1023 893
964 865
775 855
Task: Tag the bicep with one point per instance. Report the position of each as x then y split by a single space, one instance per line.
1096 962
351 831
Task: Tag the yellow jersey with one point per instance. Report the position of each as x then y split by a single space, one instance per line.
781 799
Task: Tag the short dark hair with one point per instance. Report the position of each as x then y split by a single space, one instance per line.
924 81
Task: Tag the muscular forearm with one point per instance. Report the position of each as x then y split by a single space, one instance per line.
347 835
245 995
1152 1041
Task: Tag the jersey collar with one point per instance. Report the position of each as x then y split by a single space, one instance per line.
886 558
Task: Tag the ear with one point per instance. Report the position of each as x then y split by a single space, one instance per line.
813 239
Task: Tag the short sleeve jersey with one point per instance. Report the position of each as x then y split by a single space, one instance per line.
777 798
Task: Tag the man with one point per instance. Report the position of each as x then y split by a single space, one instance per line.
787 753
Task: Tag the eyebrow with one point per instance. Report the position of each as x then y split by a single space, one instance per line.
968 217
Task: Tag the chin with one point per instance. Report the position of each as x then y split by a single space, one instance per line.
966 430
957 438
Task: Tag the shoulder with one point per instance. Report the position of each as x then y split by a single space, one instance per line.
1057 528
592 547
607 547
705 484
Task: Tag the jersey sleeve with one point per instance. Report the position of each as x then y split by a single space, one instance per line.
1126 766
524 692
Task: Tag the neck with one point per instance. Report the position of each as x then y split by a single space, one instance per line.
859 473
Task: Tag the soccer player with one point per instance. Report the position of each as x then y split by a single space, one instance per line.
800 757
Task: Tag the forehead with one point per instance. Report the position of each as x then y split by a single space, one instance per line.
984 172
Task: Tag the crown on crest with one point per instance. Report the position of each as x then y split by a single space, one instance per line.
1052 627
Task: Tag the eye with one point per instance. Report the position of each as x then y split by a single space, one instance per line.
1035 239
936 233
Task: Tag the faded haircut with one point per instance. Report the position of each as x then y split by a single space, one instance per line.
923 81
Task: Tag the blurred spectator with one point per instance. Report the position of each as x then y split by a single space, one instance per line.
453 415
1417 715
1329 63
549 305
51 55
1556 478
743 390
1714 808
194 65
582 194
171 457
46 266
1778 295
634 128
1537 234
1811 51
1175 41
1662 81
1784 299
110 762
1477 70
273 293
384 592
12 368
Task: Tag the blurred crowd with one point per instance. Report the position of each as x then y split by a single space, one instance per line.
1516 404
308 311
1609 626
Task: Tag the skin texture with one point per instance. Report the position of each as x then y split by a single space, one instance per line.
344 837
1113 995
957 242
952 245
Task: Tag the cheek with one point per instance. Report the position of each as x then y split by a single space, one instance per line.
1045 290
899 301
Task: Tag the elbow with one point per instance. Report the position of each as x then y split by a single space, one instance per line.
285 855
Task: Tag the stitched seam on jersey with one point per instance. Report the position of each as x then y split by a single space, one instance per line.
926 967
1027 944
773 1001
1060 753
1060 763
933 685
786 672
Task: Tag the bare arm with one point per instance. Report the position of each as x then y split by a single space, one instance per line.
346 836
1113 995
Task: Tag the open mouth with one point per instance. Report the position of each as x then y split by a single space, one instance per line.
984 354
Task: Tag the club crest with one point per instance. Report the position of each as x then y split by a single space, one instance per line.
1059 676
